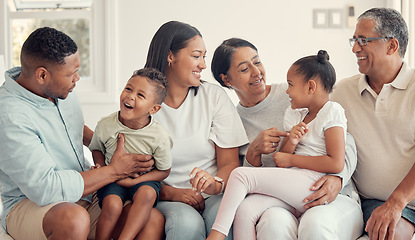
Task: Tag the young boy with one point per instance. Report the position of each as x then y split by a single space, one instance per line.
141 97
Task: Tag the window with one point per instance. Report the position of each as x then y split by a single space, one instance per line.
50 4
23 23
80 23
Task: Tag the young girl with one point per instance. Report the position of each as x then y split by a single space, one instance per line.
317 137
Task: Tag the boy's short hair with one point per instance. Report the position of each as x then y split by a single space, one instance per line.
157 79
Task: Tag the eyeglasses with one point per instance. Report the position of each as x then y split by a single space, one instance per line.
363 41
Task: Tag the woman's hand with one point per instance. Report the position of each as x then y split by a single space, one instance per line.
326 190
265 143
188 196
202 181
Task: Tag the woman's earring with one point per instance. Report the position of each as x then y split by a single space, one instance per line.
168 63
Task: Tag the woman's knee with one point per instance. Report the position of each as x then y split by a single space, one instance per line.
182 221
187 218
277 223
312 224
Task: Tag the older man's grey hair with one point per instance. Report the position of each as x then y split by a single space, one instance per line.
389 23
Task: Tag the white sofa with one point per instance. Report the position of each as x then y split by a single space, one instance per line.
4 235
366 237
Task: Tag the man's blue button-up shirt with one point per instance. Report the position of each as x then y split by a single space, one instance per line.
41 152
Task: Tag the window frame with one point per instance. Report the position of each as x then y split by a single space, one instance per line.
101 86
47 4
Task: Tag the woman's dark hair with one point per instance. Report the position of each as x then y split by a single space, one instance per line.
222 57
171 36
317 65
157 79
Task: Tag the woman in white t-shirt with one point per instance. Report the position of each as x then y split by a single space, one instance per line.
236 64
205 128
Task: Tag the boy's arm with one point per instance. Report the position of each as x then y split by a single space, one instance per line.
87 136
153 175
99 158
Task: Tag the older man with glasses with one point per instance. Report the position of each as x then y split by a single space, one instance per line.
380 111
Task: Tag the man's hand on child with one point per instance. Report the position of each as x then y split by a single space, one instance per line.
124 163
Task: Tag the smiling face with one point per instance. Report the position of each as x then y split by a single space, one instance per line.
246 75
372 58
187 64
61 79
297 89
137 102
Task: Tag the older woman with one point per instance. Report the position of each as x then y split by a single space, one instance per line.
205 128
236 65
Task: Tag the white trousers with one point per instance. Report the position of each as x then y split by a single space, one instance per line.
341 219
271 211
288 186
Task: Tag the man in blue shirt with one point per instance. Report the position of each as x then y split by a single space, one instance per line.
47 183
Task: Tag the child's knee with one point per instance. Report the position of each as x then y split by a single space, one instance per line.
146 194
112 204
242 174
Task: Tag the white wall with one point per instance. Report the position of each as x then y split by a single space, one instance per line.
282 31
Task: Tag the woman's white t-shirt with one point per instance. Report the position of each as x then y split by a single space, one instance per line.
201 121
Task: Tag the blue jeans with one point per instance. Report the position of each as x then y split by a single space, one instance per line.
183 222
368 205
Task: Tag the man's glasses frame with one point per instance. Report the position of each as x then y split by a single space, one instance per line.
363 41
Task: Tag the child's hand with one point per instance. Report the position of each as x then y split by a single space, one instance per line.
282 159
297 133
127 182
95 167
